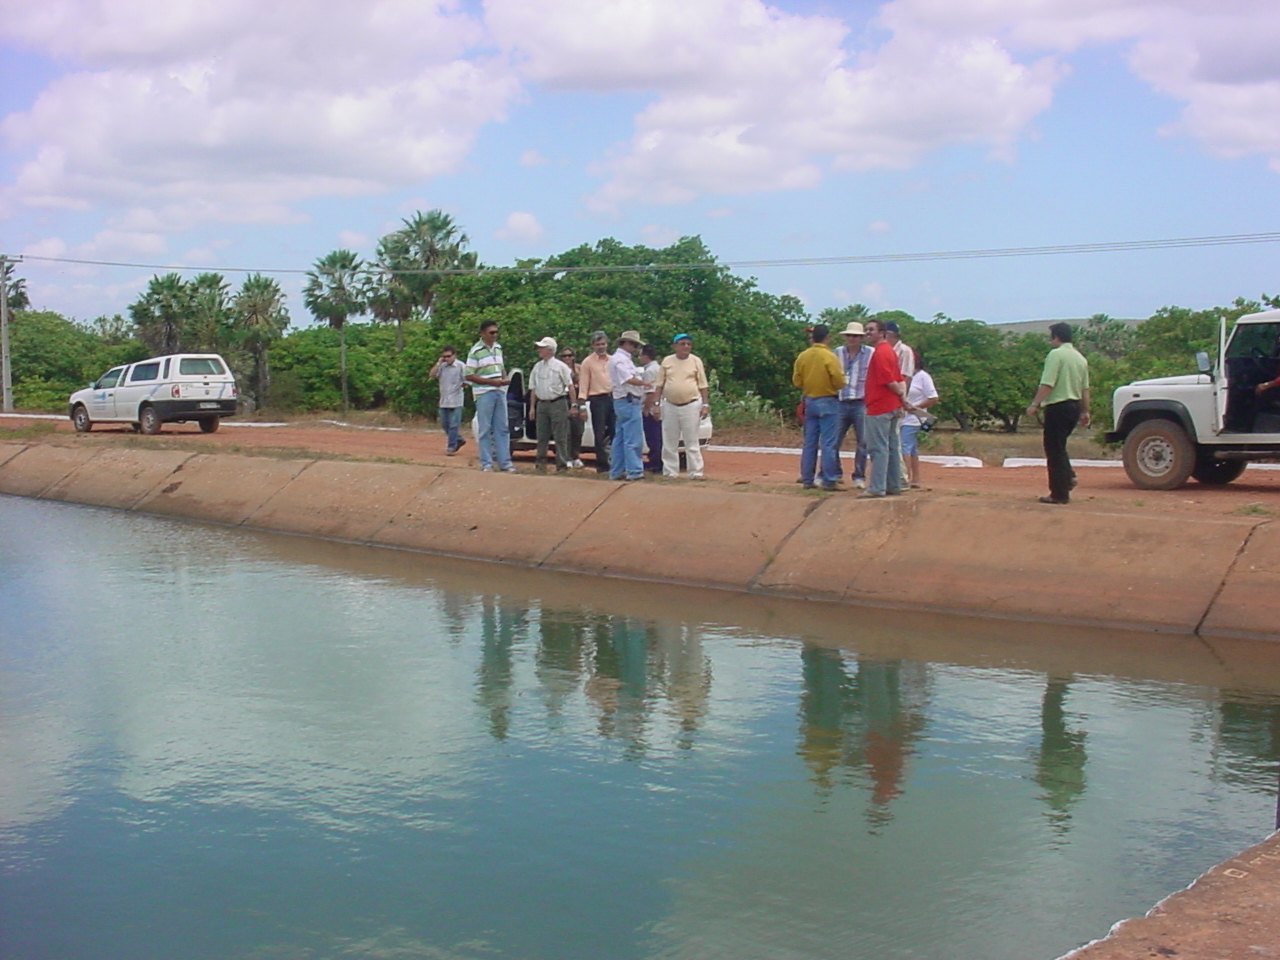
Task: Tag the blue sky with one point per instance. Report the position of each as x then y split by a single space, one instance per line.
222 135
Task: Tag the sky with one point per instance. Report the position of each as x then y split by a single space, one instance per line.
246 135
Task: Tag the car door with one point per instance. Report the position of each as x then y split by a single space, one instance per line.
102 402
137 385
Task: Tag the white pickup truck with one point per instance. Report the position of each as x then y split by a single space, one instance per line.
1206 425
150 393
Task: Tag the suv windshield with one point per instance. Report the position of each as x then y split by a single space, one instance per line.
1254 340
193 366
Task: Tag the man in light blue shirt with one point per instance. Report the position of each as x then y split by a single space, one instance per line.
854 356
628 400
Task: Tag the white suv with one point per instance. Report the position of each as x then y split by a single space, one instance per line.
145 395
1206 425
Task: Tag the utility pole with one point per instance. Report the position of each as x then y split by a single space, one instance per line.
6 371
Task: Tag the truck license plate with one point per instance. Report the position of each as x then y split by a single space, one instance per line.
208 406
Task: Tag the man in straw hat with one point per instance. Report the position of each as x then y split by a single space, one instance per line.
625 461
854 356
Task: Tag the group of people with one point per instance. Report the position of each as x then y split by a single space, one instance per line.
875 385
629 397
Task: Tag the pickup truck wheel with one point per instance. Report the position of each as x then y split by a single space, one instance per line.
1214 472
149 421
209 424
80 419
1158 455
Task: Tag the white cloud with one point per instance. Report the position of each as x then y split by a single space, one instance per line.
234 111
532 158
879 226
48 247
656 235
520 227
1217 58
352 239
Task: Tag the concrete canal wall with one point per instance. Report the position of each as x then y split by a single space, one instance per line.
1088 565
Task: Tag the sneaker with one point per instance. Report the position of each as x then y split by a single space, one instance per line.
510 469
450 452
577 464
832 486
859 483
868 495
487 468
807 486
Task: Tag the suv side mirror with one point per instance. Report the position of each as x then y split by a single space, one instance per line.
1202 362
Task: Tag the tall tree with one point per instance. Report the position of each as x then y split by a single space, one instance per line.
15 288
209 325
837 318
161 312
260 317
389 293
334 292
432 241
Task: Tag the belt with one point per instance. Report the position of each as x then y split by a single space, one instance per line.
630 398
685 404
563 396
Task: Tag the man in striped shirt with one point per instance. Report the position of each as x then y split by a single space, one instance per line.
487 376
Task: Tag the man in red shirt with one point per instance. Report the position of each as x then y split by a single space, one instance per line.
885 393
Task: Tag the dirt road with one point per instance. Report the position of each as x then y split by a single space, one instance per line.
1256 493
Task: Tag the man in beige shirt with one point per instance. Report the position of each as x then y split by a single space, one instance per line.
596 391
683 396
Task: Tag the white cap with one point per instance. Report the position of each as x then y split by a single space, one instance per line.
546 342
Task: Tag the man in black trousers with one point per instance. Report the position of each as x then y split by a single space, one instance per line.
1064 398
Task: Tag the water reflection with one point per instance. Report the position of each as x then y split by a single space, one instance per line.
1061 759
865 724
329 758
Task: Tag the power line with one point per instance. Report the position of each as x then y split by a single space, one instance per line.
1120 246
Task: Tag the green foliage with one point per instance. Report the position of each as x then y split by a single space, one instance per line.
52 357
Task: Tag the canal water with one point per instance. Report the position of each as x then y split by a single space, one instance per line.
222 744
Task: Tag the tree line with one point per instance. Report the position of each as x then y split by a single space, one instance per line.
382 323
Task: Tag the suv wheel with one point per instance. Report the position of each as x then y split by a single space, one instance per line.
80 419
149 421
1214 472
1158 455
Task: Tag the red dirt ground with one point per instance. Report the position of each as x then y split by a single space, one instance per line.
1256 493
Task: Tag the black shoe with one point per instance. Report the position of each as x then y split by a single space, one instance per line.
461 443
807 485
1053 500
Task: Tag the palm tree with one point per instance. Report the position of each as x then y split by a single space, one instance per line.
260 317
333 293
432 241
160 313
388 293
14 289
210 320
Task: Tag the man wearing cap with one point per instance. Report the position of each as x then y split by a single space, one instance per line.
551 383
625 461
855 357
595 390
683 399
818 375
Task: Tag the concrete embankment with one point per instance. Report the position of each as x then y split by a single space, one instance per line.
1088 565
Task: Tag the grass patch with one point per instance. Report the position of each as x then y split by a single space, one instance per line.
41 428
1253 510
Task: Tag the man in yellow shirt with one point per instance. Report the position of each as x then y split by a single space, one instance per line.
818 375
682 394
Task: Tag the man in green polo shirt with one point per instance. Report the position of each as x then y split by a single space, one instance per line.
1064 398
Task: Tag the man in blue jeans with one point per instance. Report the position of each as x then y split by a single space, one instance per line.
854 357
625 461
451 375
818 375
488 379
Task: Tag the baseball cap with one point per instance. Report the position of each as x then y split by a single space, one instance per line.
681 336
547 342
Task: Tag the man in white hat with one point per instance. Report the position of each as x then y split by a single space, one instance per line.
625 462
854 356
550 384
